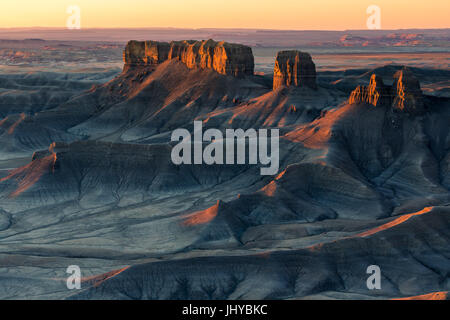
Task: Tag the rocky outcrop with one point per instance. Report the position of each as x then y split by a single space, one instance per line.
376 93
405 94
225 58
294 68
145 53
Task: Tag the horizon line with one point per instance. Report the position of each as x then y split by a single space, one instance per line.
218 28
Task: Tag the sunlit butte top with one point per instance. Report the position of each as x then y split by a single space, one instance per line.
266 14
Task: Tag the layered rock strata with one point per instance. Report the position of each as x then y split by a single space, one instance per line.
376 93
294 68
405 94
225 58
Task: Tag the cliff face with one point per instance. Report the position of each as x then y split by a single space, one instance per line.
145 53
225 58
375 94
405 94
294 68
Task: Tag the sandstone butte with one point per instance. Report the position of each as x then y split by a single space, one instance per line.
405 94
223 57
294 68
376 93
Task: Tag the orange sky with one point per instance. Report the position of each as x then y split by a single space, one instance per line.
267 14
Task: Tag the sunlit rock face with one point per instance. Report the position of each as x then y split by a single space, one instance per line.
225 58
145 53
376 93
294 68
407 92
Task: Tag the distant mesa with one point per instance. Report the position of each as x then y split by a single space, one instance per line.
405 94
393 39
294 68
34 39
225 58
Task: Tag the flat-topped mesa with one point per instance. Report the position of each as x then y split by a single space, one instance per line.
407 93
376 93
145 53
294 68
225 58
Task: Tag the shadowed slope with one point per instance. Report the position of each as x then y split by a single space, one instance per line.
162 100
335 269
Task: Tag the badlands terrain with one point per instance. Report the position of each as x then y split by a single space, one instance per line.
86 176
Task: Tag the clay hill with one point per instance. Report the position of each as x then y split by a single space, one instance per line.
364 179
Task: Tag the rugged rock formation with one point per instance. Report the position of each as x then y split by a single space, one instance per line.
407 93
375 94
145 53
225 58
294 68
357 185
